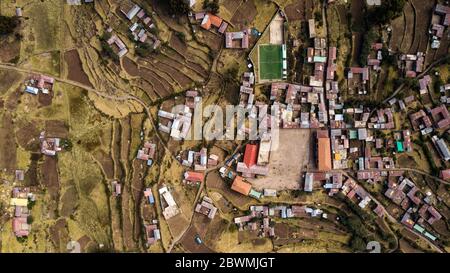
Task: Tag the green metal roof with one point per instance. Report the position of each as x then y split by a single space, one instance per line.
400 146
419 228
255 194
430 236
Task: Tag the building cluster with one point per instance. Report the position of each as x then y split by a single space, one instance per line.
256 158
358 195
245 188
417 206
49 145
331 181
260 217
412 64
152 232
141 24
317 55
39 83
359 77
424 85
168 204
444 91
434 118
206 207
147 153
384 119
438 27
19 200
375 57
246 94
233 40
237 39
117 44
303 106
199 161
208 20
178 124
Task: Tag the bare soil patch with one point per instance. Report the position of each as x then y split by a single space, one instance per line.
189 243
7 142
106 163
214 181
56 128
424 11
287 162
49 174
76 72
244 15
59 235
69 201
28 137
8 79
9 50
177 44
299 10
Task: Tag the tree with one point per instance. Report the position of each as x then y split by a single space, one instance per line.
31 204
384 13
66 144
211 6
231 75
8 24
181 36
357 243
178 7
368 38
143 50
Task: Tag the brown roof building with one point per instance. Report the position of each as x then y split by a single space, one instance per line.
440 116
323 151
240 186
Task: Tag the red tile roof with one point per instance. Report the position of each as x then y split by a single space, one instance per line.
251 154
193 176
239 185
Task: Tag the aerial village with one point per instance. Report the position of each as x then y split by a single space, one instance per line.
352 147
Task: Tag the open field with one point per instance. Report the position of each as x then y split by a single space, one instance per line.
276 30
288 161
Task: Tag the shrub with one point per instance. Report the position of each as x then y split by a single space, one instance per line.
8 24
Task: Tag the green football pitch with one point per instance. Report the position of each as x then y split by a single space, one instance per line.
270 62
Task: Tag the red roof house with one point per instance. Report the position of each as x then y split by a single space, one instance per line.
251 154
193 176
